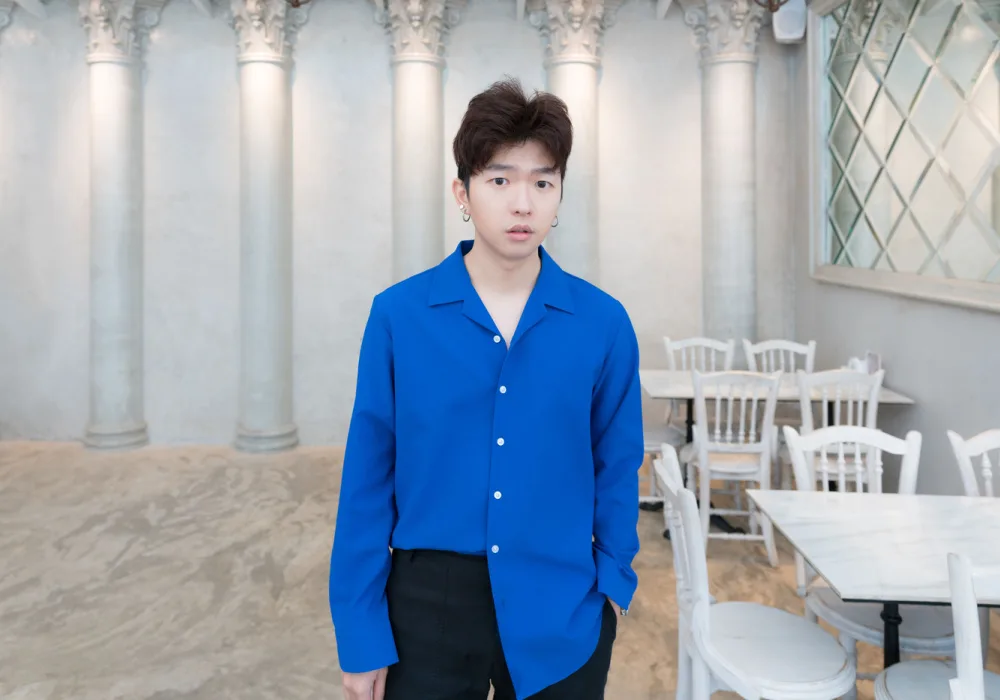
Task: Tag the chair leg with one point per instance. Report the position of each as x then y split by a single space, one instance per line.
701 679
684 669
851 647
810 615
704 486
786 476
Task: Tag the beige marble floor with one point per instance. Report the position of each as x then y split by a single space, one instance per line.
201 573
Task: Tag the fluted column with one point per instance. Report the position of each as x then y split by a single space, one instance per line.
417 30
116 30
726 33
573 30
266 32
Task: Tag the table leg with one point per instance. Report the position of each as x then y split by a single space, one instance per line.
890 643
831 484
716 520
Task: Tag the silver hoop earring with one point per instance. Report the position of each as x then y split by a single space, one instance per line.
555 223
466 216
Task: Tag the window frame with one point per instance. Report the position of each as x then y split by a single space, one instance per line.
983 296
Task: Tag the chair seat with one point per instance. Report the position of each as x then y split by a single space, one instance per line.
925 679
780 653
926 629
731 463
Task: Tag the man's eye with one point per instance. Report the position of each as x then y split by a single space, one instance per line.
499 180
542 184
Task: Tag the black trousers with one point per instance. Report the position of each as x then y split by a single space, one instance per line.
444 623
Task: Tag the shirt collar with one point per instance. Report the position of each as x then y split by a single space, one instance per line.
451 281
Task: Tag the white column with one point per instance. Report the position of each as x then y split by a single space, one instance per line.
726 34
115 31
266 31
417 30
573 30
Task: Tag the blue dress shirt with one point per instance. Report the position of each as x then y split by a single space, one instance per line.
527 454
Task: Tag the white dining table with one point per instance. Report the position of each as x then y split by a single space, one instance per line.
888 548
679 384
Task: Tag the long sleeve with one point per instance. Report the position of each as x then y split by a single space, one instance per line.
616 429
366 515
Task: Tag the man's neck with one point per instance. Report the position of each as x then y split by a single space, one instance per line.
492 273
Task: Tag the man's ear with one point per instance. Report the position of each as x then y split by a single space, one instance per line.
461 194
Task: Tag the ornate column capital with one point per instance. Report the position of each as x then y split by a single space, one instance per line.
418 29
725 30
887 20
6 7
572 29
266 30
117 30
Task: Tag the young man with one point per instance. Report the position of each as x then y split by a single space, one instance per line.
494 446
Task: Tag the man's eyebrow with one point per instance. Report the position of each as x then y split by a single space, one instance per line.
503 167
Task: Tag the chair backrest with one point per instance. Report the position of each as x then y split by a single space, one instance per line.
780 356
667 468
685 535
734 412
978 447
857 458
970 684
848 396
702 354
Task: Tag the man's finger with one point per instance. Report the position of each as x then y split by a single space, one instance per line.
378 692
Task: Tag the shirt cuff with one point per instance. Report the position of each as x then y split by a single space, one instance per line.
365 641
615 581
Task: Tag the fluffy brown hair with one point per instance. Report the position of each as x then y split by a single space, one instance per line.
502 116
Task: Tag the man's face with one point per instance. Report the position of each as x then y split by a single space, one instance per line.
514 200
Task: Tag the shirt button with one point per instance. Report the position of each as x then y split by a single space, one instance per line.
496 339
503 390
496 495
495 549
500 442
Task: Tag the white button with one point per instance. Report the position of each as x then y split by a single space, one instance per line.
500 442
503 390
495 549
496 495
496 339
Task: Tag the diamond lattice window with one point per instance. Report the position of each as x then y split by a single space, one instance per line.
913 137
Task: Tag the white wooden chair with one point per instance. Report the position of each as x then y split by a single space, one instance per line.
847 397
963 679
979 447
856 465
755 650
702 354
705 355
784 356
734 422
780 356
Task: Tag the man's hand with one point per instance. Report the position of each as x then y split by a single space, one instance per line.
617 608
365 686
